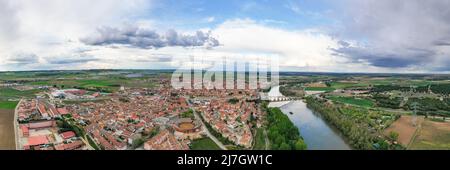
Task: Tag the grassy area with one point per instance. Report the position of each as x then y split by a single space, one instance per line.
204 144
260 142
352 101
319 89
8 104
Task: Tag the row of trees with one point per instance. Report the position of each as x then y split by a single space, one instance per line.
435 88
282 133
356 131
360 126
429 106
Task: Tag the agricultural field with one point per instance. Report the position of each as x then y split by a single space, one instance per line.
90 83
319 89
405 128
353 101
432 135
7 129
8 104
10 93
343 85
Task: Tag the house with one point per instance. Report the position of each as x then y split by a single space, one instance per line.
37 140
63 111
68 135
165 141
70 146
25 130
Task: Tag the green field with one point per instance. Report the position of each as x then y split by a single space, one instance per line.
343 85
8 104
111 84
260 142
319 89
9 93
204 144
352 101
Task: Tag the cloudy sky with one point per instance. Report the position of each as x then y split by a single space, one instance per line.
307 35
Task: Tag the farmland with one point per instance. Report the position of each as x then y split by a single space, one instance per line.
8 104
319 89
6 129
10 93
405 128
432 135
353 101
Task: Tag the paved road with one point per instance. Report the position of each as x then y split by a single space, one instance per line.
197 116
16 126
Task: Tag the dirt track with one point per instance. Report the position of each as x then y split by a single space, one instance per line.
6 129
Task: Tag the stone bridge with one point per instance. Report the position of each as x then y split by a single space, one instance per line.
280 98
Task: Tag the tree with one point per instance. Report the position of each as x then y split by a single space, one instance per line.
393 135
284 146
300 145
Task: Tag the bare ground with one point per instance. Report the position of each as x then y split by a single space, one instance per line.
6 129
405 128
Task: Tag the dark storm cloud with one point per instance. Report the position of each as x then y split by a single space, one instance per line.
74 59
145 38
442 42
393 59
398 33
155 58
343 43
23 59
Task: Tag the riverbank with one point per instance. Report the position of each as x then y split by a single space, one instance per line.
316 132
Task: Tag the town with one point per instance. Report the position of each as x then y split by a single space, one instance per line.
140 110
161 118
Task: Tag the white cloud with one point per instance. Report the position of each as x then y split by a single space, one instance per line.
209 19
298 48
49 28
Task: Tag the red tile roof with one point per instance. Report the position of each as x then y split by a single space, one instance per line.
37 140
63 111
24 129
68 134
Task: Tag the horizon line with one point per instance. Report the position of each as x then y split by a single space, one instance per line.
316 72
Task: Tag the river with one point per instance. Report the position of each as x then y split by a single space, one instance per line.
317 134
